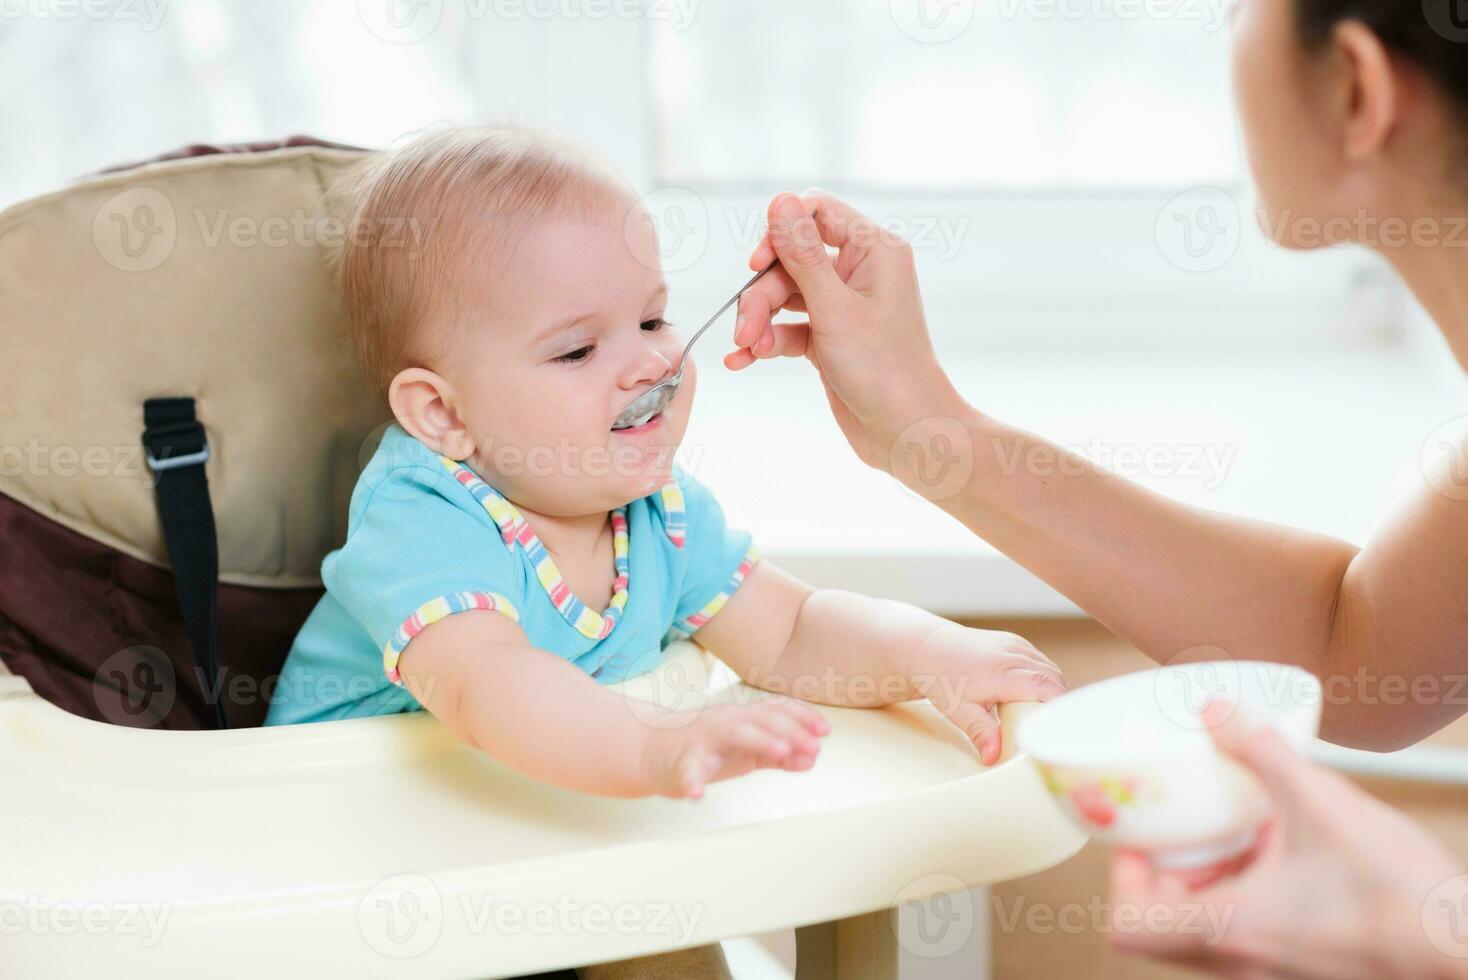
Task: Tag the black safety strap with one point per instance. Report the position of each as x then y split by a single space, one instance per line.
177 449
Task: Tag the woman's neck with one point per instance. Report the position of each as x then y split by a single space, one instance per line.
1433 262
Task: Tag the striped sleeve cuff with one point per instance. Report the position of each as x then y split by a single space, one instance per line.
691 624
431 612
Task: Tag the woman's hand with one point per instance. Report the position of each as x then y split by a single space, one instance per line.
1340 885
866 333
728 740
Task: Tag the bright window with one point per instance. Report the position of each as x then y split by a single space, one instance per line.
946 94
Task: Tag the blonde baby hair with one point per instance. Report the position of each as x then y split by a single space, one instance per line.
425 220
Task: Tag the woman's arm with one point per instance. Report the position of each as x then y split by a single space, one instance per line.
1384 626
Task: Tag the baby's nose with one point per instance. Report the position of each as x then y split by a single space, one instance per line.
649 365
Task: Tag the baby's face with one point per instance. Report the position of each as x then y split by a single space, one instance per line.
572 331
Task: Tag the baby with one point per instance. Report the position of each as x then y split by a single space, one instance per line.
509 552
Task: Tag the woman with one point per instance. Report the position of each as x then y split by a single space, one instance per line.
1348 106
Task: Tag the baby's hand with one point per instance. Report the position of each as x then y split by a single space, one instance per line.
728 740
966 672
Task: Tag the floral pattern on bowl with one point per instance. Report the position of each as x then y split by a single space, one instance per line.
1095 797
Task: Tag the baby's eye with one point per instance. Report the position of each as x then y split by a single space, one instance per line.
655 324
579 354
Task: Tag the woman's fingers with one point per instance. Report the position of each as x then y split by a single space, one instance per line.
1133 879
739 360
759 304
1293 781
757 336
783 340
1310 799
802 252
833 216
1170 930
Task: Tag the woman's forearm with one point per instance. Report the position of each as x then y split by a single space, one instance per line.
1179 582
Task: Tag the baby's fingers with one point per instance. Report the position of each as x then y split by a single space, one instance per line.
981 725
760 745
1016 645
693 773
1025 649
780 706
1019 679
794 722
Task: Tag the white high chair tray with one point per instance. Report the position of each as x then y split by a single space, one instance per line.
382 847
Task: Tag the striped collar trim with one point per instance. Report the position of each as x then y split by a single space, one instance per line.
515 529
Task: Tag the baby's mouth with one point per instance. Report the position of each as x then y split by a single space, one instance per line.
639 423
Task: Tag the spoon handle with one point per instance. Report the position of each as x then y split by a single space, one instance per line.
678 374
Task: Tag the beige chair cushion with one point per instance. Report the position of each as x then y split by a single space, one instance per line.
202 277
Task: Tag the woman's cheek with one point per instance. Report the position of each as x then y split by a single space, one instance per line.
1245 65
1268 97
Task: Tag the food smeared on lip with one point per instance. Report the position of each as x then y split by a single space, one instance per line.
636 423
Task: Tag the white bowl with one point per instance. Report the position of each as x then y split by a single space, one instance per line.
1132 763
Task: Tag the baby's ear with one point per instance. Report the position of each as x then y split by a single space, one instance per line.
422 402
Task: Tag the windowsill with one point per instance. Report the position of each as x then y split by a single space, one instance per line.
1321 440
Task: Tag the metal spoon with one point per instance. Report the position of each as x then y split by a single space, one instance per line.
655 399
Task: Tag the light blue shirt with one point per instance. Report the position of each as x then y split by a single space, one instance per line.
427 538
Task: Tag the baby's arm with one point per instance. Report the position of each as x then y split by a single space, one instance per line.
545 717
845 649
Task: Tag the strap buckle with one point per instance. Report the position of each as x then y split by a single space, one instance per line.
174 462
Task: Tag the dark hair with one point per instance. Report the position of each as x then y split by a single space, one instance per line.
1430 33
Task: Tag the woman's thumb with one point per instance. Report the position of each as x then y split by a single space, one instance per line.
797 241
1258 747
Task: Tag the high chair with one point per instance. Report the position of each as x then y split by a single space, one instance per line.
188 299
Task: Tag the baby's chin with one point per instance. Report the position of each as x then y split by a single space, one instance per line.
656 471
588 495
630 478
